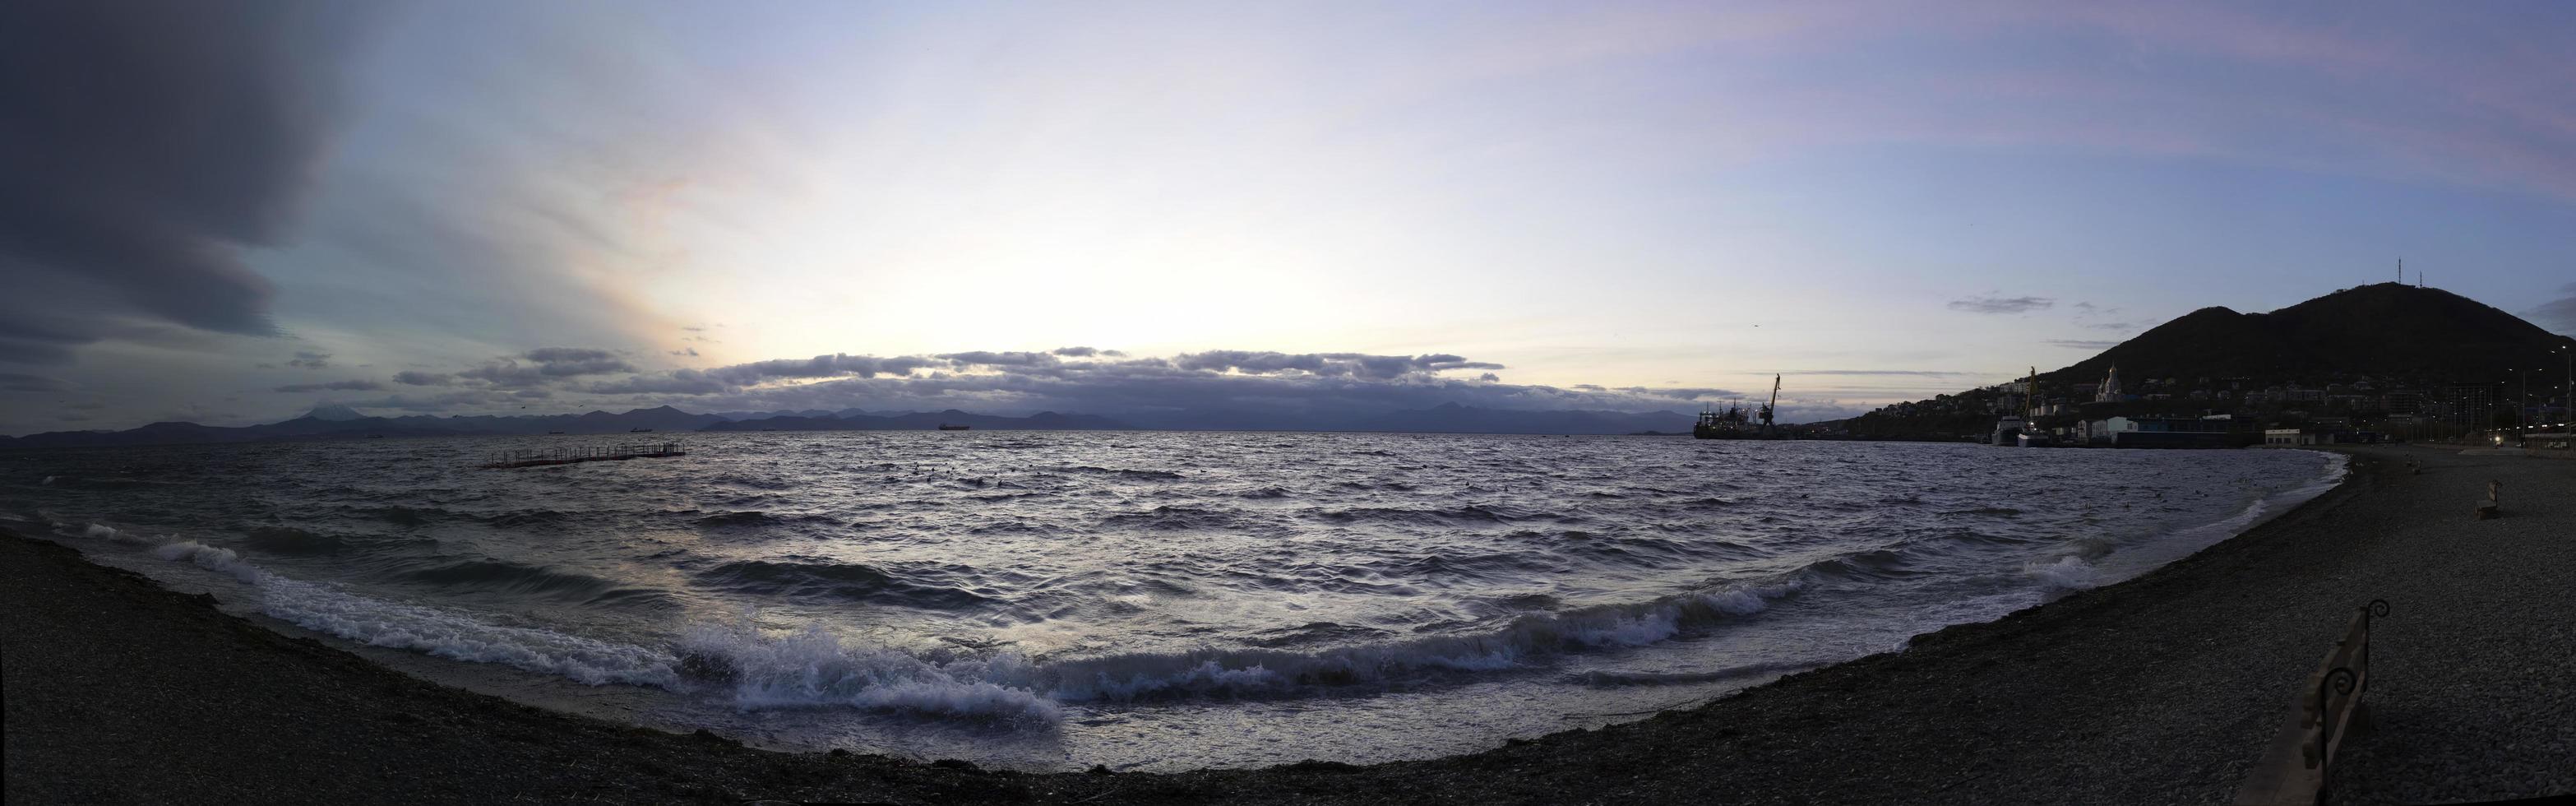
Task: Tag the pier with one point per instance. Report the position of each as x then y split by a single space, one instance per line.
582 453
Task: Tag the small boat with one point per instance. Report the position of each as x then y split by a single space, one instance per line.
639 430
947 427
2007 432
554 432
2024 431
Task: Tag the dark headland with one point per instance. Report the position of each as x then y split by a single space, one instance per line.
2163 689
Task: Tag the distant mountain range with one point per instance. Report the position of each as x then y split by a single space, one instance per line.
921 421
341 422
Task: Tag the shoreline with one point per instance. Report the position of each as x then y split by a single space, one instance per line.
2159 688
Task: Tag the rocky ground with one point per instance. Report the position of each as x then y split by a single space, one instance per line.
2162 689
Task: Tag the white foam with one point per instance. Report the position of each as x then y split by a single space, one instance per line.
2065 575
428 630
813 668
213 559
100 532
449 634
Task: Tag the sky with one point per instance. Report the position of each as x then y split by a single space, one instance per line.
230 213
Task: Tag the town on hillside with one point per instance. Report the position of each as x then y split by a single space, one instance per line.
2206 411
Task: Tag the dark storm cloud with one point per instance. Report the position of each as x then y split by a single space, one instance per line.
545 365
1076 352
2558 315
441 403
21 382
334 386
146 144
821 366
2001 304
307 360
417 378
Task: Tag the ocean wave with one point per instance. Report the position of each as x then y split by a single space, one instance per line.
443 633
1448 516
756 519
826 579
1169 517
2064 575
1609 678
1259 671
429 630
290 540
814 668
102 532
2000 512
400 515
490 575
1124 473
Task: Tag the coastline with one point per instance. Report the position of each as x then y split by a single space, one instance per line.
2161 688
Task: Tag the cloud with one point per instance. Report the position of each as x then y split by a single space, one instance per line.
1076 352
1915 373
417 378
2081 344
1220 389
334 386
149 144
1327 364
2558 315
687 352
1007 359
309 360
548 364
21 382
1996 305
2113 325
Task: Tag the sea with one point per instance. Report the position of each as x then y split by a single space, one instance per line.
1139 600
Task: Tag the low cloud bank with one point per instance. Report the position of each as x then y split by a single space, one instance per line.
1210 389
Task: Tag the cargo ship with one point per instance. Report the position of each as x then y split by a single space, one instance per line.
1738 422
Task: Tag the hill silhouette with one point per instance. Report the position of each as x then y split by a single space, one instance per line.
2386 330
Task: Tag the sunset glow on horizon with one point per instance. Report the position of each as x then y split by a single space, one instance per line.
1642 195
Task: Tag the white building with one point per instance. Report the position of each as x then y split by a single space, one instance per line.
2109 392
2287 437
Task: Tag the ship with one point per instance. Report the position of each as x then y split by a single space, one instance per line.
1738 422
947 427
2024 431
639 430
